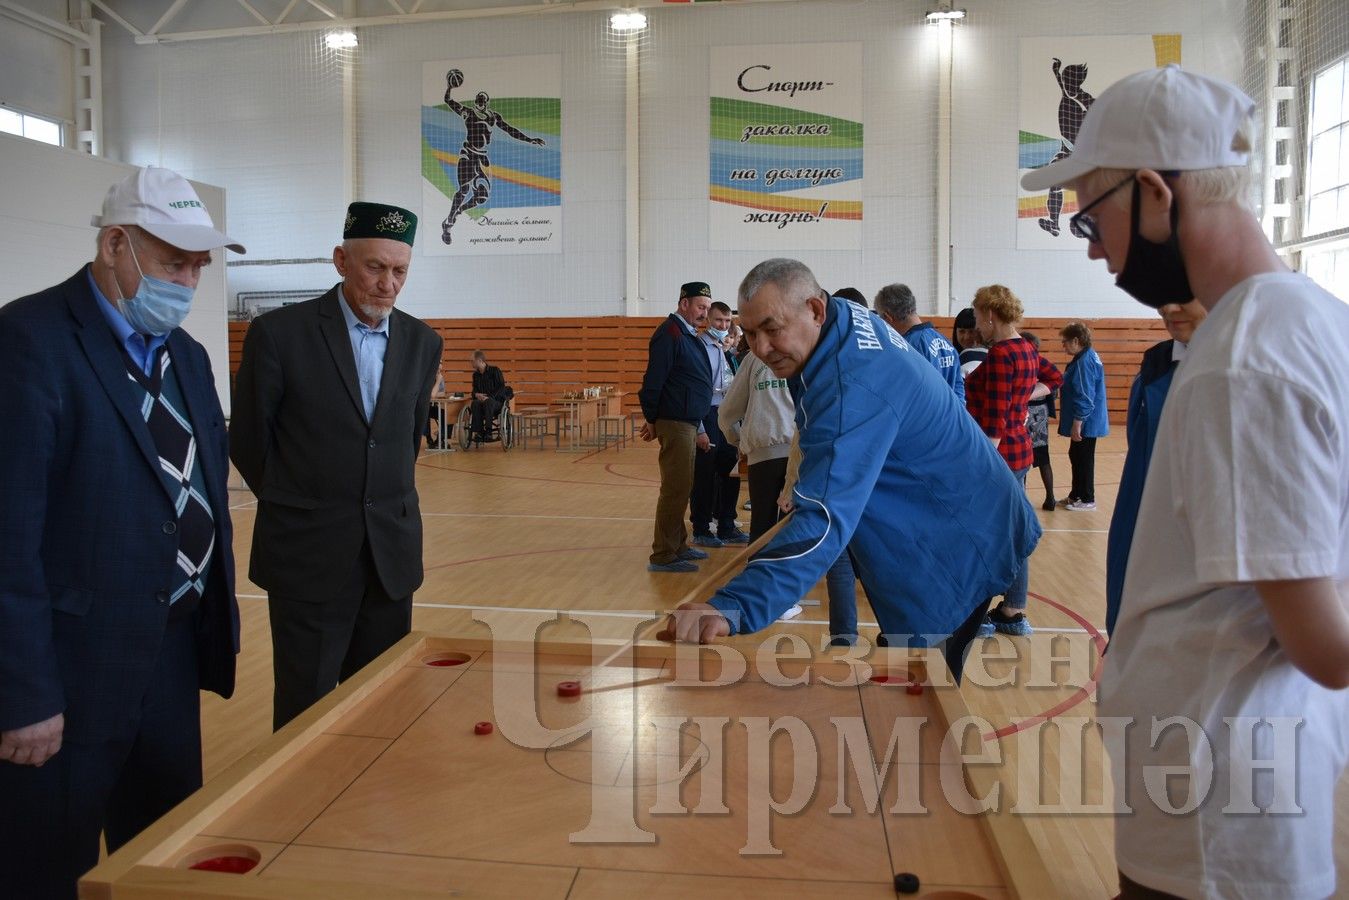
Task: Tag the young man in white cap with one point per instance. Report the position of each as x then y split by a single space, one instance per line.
1231 652
117 578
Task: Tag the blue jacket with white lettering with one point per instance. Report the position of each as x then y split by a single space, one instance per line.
924 338
894 469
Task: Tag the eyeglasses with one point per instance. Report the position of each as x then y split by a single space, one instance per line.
1083 224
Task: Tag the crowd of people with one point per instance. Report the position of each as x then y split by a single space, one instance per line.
995 372
1228 553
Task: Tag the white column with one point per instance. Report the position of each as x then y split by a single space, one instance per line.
943 230
632 183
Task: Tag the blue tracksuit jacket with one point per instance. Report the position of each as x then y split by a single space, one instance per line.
898 472
1146 397
940 353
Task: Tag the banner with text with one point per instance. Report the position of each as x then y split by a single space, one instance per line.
492 155
786 147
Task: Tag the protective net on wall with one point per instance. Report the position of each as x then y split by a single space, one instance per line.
862 137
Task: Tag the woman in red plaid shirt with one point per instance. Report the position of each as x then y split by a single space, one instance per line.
996 395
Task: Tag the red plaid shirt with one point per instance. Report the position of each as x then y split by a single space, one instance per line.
996 394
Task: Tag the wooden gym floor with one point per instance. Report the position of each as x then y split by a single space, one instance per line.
541 530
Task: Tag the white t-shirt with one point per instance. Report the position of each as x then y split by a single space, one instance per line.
1249 481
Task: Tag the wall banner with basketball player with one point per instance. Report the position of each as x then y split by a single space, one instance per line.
1060 79
492 156
786 147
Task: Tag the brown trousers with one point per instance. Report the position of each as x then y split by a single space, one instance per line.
677 441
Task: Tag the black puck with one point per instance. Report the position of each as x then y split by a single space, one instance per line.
906 883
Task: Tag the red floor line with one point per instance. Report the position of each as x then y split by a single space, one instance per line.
1077 697
428 465
609 467
462 562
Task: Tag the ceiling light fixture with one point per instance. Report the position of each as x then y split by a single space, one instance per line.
945 15
627 21
340 40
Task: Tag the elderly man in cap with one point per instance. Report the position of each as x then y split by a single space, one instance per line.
676 396
890 460
1231 651
329 409
117 586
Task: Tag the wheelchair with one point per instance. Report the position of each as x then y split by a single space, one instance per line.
503 428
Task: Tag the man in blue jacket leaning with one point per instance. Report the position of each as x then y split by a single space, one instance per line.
893 468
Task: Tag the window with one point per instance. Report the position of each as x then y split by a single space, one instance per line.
30 126
1328 178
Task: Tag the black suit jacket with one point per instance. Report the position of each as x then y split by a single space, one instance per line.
327 480
86 555
491 382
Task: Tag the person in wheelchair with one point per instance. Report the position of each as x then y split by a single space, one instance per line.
490 394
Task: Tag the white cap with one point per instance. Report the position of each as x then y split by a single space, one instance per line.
164 204
1162 119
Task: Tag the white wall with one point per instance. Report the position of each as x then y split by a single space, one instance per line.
263 117
36 69
48 198
984 140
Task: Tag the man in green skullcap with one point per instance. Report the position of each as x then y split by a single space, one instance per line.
329 409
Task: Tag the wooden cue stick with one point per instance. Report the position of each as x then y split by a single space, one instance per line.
715 580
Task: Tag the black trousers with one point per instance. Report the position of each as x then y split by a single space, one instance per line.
319 642
51 816
716 487
482 412
1082 457
765 486
956 647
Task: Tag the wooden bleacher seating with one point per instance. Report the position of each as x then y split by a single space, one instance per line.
542 358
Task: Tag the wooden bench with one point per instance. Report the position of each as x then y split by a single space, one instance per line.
545 357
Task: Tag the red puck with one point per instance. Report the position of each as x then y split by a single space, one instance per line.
913 688
569 688
482 728
235 865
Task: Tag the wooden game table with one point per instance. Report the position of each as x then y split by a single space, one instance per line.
385 788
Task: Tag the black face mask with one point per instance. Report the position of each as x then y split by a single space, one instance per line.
1154 274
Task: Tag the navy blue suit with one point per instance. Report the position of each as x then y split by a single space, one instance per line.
88 561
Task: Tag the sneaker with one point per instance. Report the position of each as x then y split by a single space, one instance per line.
1081 506
745 505
791 613
678 565
707 540
986 628
690 553
734 536
1049 504
1017 625
843 640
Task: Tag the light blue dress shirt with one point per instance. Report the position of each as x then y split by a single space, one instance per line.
368 345
141 347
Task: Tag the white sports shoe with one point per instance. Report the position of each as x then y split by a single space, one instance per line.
1080 506
791 613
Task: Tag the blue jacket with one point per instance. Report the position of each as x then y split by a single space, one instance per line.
678 380
1146 396
1083 396
895 470
938 351
88 556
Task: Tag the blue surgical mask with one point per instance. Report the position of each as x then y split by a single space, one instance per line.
158 306
718 333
